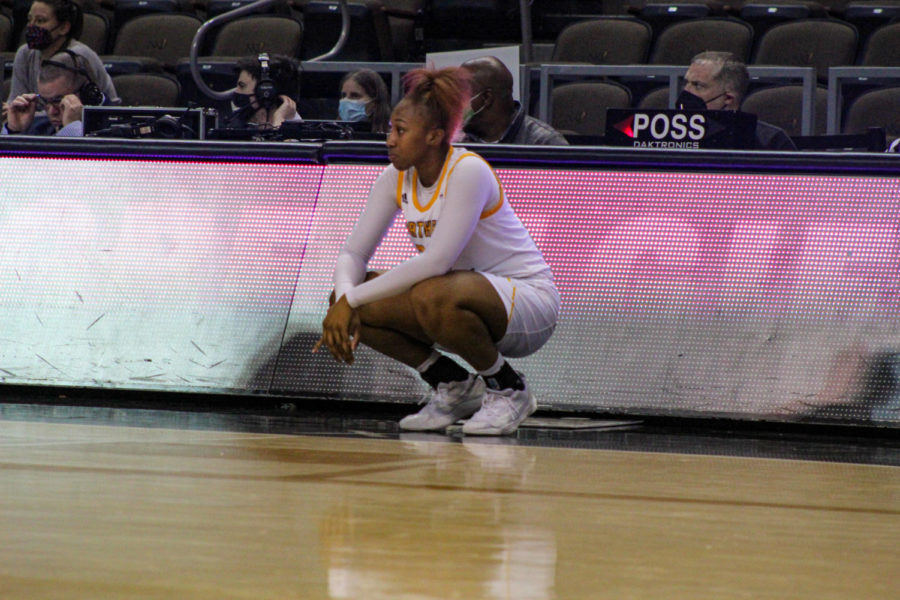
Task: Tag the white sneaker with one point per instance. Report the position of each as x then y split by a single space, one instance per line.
449 403
502 411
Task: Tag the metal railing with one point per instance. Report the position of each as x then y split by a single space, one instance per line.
839 76
671 76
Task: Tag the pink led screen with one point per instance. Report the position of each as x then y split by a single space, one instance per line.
766 295
146 274
749 295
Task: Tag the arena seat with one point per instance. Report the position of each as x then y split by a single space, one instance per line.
95 32
875 108
215 8
251 35
765 14
882 48
148 89
660 15
155 41
681 41
581 107
819 43
781 105
604 41
655 98
870 16
550 17
5 33
125 10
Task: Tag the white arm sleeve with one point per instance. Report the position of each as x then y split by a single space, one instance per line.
470 189
373 223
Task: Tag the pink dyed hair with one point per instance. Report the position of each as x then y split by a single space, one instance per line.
443 93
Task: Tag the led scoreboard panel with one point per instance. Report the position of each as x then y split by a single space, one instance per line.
746 285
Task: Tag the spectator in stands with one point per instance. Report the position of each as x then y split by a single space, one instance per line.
63 92
265 95
365 97
720 81
54 26
494 116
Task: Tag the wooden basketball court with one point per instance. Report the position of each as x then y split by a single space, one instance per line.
114 510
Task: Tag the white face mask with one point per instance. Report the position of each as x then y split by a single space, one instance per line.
470 114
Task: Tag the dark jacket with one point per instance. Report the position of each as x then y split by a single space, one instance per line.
525 129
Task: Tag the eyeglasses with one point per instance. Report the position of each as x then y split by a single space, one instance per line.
41 102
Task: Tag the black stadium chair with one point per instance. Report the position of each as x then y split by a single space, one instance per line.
882 48
819 43
550 17
765 14
781 105
148 89
218 73
661 15
875 108
580 108
5 33
259 33
868 17
215 8
95 32
656 98
125 10
157 41
680 42
604 41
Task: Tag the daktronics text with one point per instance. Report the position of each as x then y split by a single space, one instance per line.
668 131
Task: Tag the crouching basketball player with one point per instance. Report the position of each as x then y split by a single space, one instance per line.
479 286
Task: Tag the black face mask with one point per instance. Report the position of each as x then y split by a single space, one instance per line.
241 101
689 101
37 37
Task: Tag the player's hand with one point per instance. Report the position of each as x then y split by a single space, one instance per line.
21 112
340 331
71 108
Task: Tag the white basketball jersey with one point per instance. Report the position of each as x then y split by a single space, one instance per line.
500 244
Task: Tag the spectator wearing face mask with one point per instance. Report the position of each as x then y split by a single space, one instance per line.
718 81
265 95
53 27
365 97
493 114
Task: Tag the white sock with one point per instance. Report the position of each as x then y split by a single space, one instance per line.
435 355
495 368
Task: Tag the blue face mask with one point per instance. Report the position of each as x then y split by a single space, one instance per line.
352 110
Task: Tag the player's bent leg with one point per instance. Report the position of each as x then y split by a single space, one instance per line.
390 326
461 311
534 310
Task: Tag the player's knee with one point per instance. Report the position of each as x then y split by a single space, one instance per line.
431 306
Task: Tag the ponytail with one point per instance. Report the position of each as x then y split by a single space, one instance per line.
443 93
